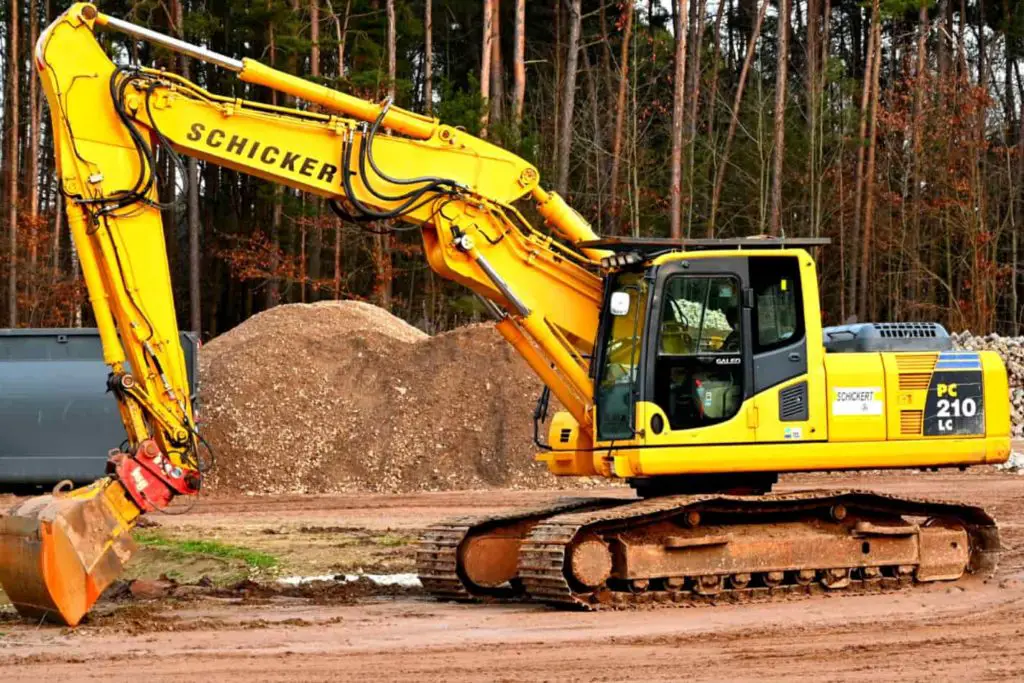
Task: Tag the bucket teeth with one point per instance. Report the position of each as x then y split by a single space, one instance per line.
59 552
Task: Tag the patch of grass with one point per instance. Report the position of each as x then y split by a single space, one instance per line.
393 540
253 558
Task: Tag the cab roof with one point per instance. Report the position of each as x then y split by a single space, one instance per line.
656 250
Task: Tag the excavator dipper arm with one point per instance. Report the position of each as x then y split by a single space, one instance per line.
59 552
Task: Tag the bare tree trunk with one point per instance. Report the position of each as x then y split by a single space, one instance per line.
341 34
715 66
194 253
858 188
54 198
1019 213
428 57
76 307
277 208
961 47
192 181
34 134
58 227
678 94
734 118
945 24
697 46
12 167
569 97
1008 57
392 49
1016 175
519 65
382 242
314 38
497 68
813 52
485 64
779 142
316 241
606 53
557 89
823 53
915 163
598 142
982 70
869 203
620 118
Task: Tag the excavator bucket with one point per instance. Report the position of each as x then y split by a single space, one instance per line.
58 552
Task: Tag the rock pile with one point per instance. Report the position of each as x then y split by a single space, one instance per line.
343 396
1011 350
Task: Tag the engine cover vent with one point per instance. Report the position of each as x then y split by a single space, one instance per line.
793 403
911 422
868 337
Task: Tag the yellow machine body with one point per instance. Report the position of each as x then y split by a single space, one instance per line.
865 410
587 319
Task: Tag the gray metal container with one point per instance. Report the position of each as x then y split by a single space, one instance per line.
57 420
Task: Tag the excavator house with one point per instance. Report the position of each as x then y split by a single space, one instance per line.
696 371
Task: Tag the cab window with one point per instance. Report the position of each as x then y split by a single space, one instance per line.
698 370
777 316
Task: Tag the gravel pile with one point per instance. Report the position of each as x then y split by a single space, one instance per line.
1011 350
343 396
690 313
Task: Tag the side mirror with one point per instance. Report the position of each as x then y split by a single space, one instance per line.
619 304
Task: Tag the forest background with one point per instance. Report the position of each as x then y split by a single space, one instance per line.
893 127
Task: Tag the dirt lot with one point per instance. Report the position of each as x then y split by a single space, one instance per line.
970 631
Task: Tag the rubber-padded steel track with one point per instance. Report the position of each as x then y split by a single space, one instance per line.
543 557
437 553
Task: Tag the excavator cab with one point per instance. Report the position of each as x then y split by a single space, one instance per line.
689 336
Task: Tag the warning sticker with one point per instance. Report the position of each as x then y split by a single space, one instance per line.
857 401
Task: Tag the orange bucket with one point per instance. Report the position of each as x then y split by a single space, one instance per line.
59 552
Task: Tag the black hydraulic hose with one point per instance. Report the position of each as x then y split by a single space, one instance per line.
344 214
418 192
385 176
409 205
366 144
124 198
175 157
118 83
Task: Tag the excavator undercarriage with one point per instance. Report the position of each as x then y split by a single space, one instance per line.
595 553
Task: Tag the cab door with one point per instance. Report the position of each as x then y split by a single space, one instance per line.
698 369
778 335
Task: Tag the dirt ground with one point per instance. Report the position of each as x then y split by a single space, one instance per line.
968 631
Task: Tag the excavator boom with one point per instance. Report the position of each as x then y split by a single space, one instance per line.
58 552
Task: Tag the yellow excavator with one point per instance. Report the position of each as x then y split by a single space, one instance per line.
694 370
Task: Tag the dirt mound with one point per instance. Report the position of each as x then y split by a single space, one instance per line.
343 396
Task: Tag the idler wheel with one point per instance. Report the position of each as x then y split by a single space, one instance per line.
591 562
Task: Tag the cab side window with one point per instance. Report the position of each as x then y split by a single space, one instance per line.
778 318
